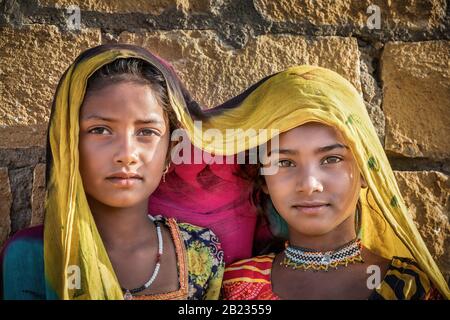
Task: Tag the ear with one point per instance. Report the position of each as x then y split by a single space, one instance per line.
363 182
172 144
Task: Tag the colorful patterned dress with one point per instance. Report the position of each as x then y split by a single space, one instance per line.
250 280
199 261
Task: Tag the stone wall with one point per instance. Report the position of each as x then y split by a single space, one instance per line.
219 47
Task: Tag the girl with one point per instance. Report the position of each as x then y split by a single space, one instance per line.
108 146
349 233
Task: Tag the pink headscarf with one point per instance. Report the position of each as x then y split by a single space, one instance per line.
212 196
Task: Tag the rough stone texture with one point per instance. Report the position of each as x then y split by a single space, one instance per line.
427 195
21 185
154 7
411 14
33 60
22 136
372 92
21 157
5 205
416 89
214 72
38 195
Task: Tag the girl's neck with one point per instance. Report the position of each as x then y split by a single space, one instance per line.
339 236
122 228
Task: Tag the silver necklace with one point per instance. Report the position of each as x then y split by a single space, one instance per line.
128 293
304 259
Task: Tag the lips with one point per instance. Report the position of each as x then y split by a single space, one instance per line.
124 179
125 175
311 207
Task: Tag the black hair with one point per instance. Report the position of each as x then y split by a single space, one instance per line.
157 74
137 71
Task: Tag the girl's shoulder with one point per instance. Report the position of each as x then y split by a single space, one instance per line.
192 232
204 258
253 269
249 279
405 280
194 236
199 239
26 241
22 265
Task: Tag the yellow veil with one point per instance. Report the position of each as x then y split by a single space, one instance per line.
307 93
76 263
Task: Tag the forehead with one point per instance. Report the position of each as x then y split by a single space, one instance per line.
122 100
311 135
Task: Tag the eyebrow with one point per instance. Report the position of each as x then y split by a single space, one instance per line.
332 147
283 151
319 150
141 121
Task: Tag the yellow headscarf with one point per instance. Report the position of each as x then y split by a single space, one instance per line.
72 244
77 265
307 93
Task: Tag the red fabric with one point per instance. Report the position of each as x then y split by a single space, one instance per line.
249 280
212 196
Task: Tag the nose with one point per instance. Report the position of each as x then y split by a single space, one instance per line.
126 152
308 182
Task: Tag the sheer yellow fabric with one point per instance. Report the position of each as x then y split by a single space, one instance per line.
77 265
308 93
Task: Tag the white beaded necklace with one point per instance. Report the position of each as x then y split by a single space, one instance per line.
304 259
128 293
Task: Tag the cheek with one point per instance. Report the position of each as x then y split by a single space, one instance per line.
85 152
92 159
344 184
154 157
279 187
341 176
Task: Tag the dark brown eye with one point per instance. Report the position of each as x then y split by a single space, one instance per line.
330 160
285 163
148 132
99 130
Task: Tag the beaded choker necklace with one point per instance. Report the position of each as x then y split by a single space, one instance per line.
128 293
304 259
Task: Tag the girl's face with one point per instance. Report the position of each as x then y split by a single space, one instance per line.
317 184
124 139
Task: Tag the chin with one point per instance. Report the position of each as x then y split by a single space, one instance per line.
122 202
314 229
